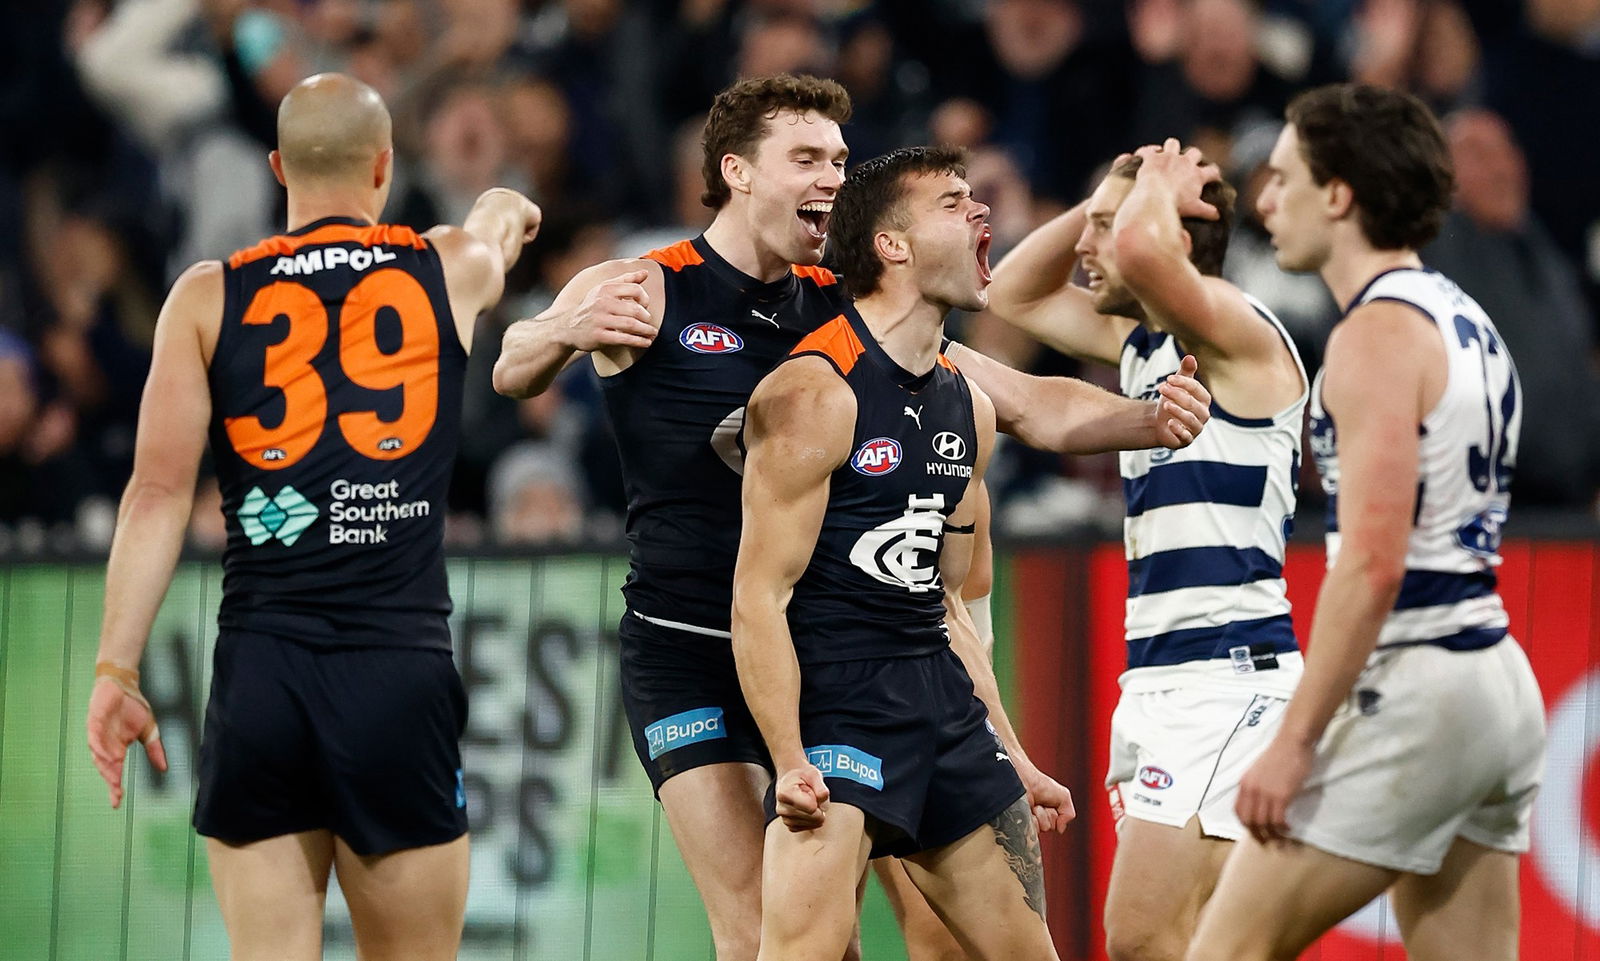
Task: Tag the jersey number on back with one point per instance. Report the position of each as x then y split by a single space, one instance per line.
414 368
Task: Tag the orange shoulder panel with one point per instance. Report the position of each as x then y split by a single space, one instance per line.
947 365
822 275
678 256
834 340
283 245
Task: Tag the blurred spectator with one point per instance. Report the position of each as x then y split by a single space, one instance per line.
1498 252
1424 46
534 497
464 151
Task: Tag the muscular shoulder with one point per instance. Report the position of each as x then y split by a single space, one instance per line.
804 402
1384 348
195 304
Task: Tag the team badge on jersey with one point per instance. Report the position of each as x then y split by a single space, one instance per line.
877 456
710 339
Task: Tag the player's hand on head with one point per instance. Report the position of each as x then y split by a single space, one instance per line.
118 716
802 798
1267 788
614 314
1049 800
1183 408
1187 172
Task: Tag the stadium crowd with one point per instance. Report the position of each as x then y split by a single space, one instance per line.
136 133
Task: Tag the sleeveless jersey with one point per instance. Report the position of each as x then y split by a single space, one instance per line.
872 589
1467 450
336 407
677 413
1206 526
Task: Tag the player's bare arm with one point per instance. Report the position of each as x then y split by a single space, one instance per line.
1072 416
610 311
1032 290
799 427
1384 372
153 516
1207 314
477 254
1050 803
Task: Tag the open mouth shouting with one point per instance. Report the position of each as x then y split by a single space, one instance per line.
985 238
814 217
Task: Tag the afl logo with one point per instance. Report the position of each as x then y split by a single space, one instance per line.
877 456
1154 778
949 446
710 339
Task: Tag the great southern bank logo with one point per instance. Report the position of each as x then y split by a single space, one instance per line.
710 339
671 733
842 760
877 456
285 515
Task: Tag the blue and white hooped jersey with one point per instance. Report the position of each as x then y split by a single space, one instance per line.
1467 450
1205 533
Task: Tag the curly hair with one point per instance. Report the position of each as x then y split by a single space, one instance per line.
740 117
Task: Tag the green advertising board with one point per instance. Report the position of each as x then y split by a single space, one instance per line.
571 858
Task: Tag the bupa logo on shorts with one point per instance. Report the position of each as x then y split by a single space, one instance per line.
710 339
671 733
879 455
285 515
1154 778
844 761
461 789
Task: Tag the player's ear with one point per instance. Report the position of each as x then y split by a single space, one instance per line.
1338 199
891 246
736 171
275 161
382 167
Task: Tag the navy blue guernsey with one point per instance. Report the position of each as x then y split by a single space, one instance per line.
872 589
336 405
677 412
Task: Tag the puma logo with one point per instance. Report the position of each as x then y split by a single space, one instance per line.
915 415
773 320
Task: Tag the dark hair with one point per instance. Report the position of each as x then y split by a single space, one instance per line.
1208 239
1388 146
740 116
872 197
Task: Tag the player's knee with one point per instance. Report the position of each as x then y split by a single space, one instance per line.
1199 950
738 944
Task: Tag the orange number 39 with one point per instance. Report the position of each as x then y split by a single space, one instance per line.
414 368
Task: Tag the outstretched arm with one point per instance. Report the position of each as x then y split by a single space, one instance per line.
1051 803
612 310
1033 291
1072 416
798 426
173 417
477 255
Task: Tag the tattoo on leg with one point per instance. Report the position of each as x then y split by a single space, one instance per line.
1018 837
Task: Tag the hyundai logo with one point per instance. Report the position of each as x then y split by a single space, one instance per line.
949 446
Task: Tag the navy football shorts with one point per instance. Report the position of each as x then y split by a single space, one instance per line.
681 694
907 742
361 741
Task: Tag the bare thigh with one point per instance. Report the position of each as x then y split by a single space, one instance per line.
1272 902
407 904
716 819
809 884
987 889
1160 879
1469 911
272 893
926 936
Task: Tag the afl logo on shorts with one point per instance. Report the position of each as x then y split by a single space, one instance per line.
1154 778
710 339
877 456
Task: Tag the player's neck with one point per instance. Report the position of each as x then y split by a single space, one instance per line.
306 207
736 244
907 326
1351 267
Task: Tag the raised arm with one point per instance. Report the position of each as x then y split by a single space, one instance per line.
611 310
173 417
798 427
1207 314
1072 416
1033 291
1051 803
477 254
1382 374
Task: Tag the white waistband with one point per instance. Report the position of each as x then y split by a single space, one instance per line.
681 626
